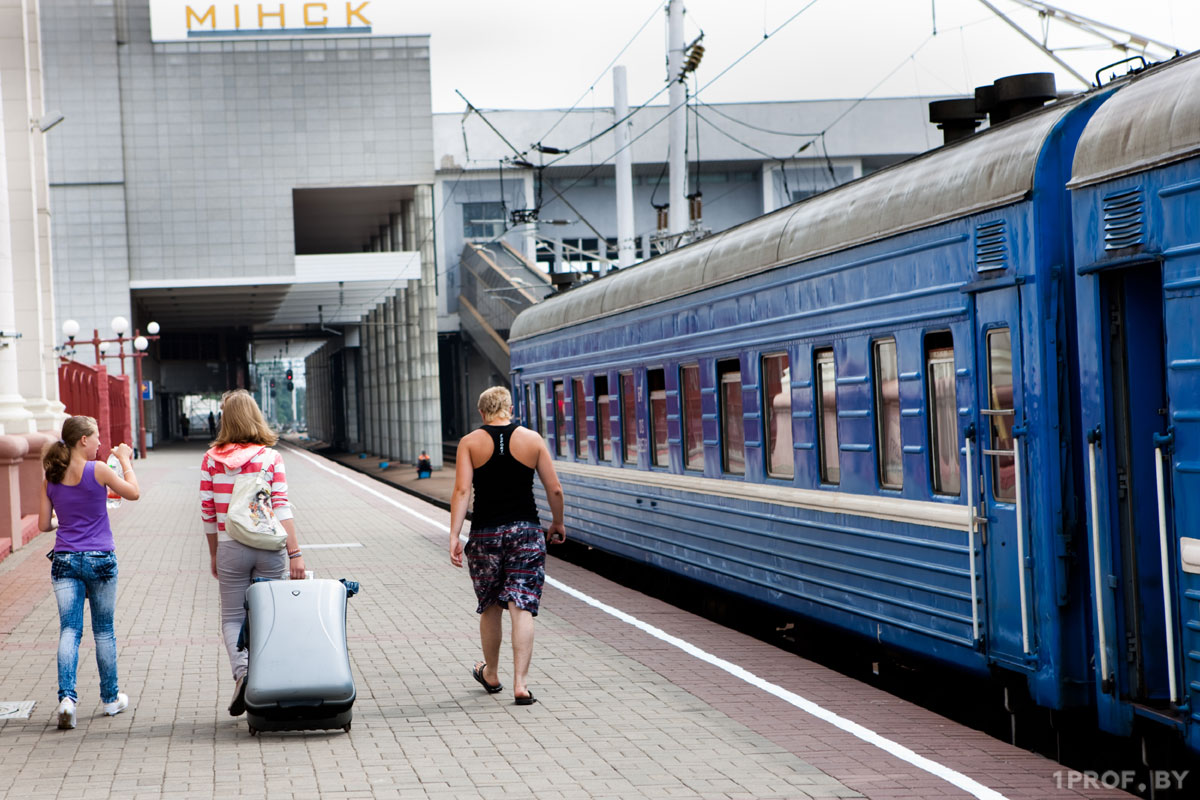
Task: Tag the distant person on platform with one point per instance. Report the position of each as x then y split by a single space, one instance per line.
212 426
184 425
506 554
83 564
424 465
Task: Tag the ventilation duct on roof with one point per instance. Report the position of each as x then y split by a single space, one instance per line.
1015 95
956 117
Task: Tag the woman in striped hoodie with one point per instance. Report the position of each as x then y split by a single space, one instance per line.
243 445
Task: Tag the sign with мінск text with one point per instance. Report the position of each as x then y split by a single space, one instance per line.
197 20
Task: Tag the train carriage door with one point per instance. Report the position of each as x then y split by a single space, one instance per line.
1003 487
1129 451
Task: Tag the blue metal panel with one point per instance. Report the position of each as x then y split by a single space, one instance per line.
903 585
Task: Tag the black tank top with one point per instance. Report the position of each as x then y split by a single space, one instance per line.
503 485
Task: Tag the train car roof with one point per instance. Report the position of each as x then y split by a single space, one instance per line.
1153 120
988 170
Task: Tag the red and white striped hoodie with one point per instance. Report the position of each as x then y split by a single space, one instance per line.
217 471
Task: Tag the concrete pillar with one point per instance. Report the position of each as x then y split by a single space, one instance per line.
371 377
391 445
404 394
28 219
379 373
353 387
416 400
429 434
15 418
400 376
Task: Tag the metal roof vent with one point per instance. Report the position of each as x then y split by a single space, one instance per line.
991 245
1124 219
956 117
1015 95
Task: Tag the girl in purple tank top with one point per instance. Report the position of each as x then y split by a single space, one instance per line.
84 564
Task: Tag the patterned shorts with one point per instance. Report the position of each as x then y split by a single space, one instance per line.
508 564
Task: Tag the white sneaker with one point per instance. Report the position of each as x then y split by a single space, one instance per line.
116 706
66 714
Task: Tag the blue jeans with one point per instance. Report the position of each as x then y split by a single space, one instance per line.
76 576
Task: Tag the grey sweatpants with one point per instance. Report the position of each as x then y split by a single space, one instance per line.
237 566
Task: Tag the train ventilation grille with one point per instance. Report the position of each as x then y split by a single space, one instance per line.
991 247
1124 219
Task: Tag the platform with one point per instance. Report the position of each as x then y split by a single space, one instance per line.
637 698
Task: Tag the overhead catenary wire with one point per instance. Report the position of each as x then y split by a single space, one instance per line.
719 112
603 72
671 111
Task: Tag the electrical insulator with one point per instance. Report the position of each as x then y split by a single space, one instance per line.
693 58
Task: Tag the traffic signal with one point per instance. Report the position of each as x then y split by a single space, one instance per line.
291 386
288 376
272 383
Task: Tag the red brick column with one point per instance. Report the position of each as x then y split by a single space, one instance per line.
32 472
12 452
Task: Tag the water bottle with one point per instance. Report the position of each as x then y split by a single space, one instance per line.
114 499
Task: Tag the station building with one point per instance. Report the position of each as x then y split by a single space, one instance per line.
258 180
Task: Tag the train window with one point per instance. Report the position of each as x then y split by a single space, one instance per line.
733 431
579 418
1000 413
943 412
887 415
560 419
656 383
540 393
603 423
777 412
530 409
827 432
628 418
693 426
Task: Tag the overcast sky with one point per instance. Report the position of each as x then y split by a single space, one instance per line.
547 53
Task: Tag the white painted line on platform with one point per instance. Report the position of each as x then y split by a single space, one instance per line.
308 546
955 778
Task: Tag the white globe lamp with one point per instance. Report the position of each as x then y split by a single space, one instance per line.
119 325
70 329
152 329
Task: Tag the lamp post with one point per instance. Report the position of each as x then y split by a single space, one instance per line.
105 349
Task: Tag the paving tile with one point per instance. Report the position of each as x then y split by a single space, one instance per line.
622 715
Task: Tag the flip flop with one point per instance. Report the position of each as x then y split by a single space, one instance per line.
525 701
477 674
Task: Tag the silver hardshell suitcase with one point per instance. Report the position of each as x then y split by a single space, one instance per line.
298 676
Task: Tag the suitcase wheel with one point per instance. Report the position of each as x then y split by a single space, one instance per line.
253 731
347 728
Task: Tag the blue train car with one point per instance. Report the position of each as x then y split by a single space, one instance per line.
1136 220
858 407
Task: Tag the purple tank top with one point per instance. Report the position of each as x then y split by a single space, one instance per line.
82 514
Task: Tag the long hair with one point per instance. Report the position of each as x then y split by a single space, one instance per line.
242 422
57 455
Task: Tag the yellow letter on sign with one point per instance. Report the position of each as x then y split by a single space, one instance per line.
262 14
356 12
315 23
212 12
